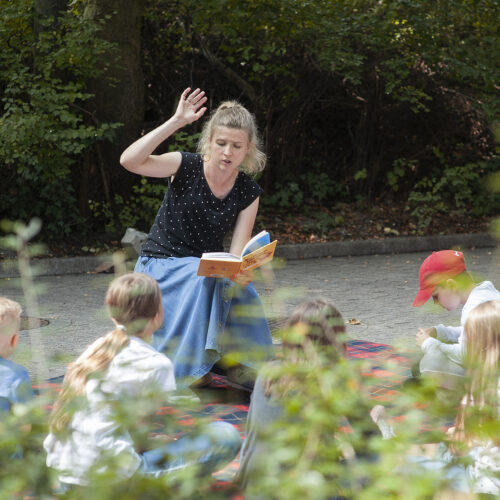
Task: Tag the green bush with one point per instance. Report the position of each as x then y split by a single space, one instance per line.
45 128
138 210
454 188
308 452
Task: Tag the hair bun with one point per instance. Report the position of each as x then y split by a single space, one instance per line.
227 105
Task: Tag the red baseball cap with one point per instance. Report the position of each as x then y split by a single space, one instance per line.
435 269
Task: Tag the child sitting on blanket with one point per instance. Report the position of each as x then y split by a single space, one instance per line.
312 379
443 276
87 438
470 461
15 383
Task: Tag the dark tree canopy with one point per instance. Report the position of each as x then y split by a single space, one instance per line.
355 99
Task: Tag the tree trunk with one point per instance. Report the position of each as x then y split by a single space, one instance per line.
367 137
119 93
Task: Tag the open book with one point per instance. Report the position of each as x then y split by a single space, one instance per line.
256 252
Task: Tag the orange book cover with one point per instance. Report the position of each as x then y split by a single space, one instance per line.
225 265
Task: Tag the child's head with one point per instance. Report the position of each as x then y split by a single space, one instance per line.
478 414
232 115
443 276
133 300
482 336
314 336
10 320
315 323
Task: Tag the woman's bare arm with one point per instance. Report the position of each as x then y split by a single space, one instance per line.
241 235
138 157
243 228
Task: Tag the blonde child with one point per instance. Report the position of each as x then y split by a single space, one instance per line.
477 427
15 383
444 277
85 434
470 461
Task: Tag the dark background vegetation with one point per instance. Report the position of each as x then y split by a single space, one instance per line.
378 117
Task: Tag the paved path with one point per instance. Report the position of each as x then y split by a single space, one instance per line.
377 290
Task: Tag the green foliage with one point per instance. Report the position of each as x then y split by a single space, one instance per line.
44 126
360 175
285 196
30 476
321 187
457 189
29 472
322 223
312 188
183 141
358 86
398 173
308 452
137 210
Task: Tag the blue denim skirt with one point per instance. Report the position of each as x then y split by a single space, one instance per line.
206 318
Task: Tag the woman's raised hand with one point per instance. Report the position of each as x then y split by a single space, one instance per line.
190 107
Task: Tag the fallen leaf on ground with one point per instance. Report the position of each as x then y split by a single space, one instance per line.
353 321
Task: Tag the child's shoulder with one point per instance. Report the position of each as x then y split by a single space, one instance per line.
482 292
15 383
138 364
486 289
12 371
141 353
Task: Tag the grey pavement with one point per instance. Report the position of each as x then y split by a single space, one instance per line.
377 290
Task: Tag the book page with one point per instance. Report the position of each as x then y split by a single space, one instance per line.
220 256
259 240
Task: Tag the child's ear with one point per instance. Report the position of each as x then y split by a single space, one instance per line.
14 340
451 284
159 314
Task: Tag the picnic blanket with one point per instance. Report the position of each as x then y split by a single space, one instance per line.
220 401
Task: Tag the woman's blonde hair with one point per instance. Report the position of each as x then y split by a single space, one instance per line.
478 414
314 328
133 299
232 114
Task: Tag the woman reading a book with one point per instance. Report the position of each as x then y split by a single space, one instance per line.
207 319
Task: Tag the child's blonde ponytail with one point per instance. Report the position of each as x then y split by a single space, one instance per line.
94 361
133 300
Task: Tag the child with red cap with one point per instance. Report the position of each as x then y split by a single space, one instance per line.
444 277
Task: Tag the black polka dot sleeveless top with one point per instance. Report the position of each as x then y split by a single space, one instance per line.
191 219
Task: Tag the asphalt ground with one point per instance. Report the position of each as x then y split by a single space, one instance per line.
374 291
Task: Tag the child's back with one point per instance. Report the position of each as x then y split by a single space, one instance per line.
15 383
137 371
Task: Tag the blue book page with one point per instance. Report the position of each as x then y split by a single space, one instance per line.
259 240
